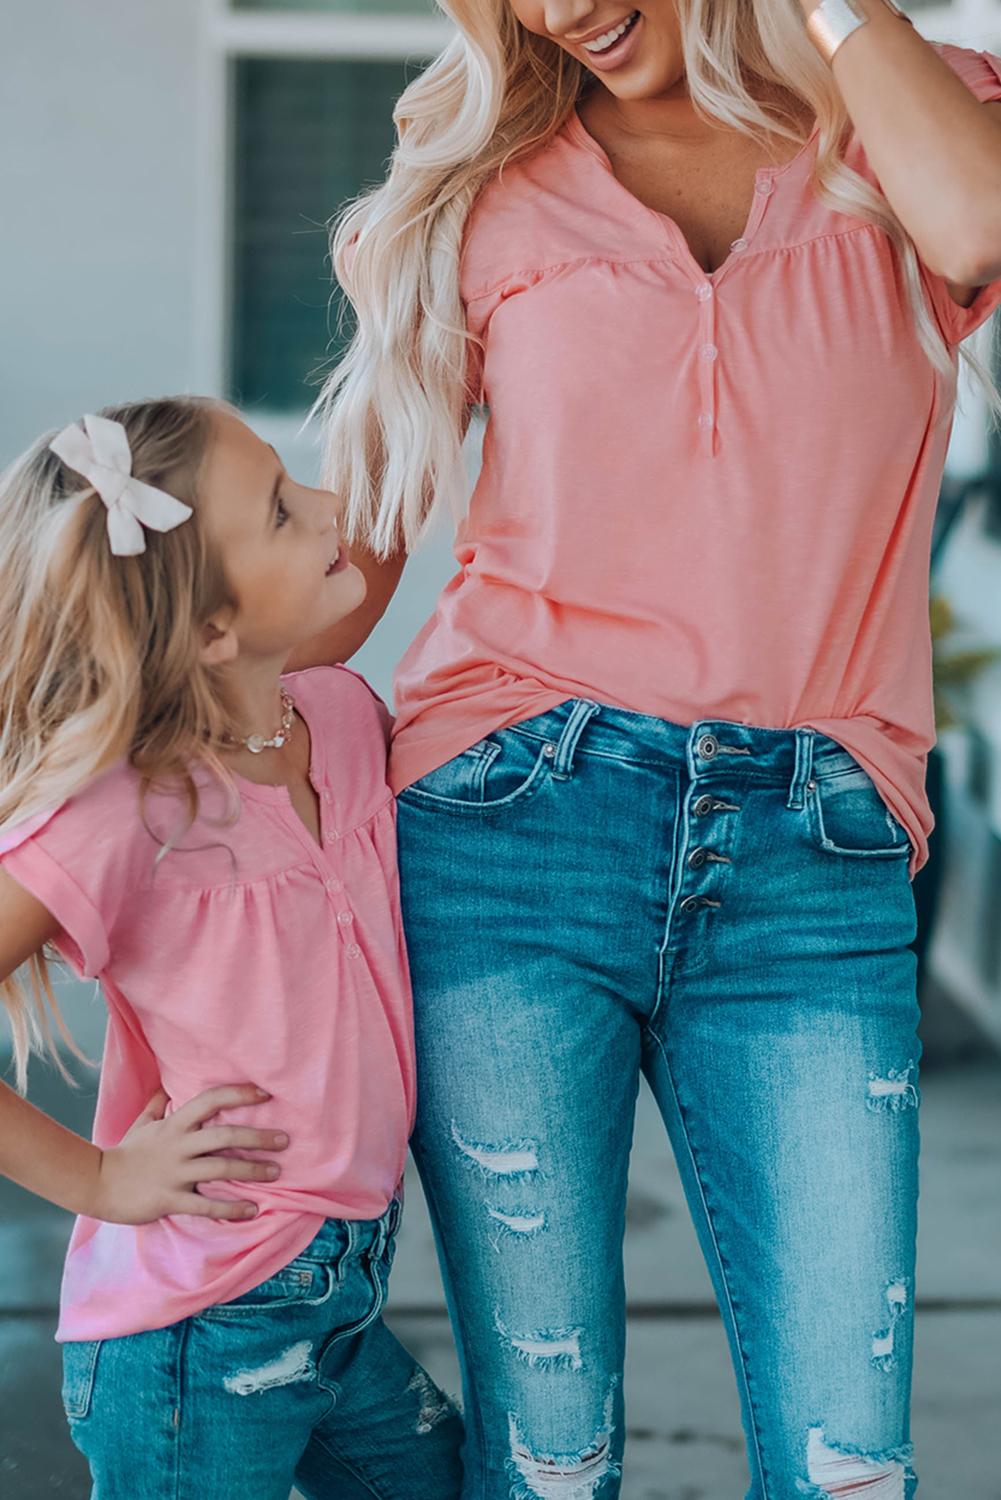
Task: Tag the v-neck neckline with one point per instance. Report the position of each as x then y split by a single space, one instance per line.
280 796
764 186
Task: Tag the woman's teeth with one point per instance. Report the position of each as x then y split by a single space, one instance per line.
603 43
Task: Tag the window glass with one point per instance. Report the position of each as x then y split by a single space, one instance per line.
309 134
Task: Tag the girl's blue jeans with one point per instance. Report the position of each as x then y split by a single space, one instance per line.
298 1382
593 893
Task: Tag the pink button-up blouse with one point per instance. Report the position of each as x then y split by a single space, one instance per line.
702 496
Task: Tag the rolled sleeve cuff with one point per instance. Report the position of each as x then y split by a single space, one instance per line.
82 941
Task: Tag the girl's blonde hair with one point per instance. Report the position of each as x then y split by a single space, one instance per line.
396 405
99 655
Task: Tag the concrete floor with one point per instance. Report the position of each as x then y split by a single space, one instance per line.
684 1437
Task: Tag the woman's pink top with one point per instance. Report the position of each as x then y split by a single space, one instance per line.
702 496
248 954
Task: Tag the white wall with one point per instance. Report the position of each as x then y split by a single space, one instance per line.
97 183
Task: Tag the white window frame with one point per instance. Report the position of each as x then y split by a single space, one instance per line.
225 35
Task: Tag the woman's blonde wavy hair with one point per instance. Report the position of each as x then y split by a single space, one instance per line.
100 655
396 406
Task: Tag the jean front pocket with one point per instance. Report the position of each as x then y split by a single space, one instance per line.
849 817
302 1283
79 1370
489 777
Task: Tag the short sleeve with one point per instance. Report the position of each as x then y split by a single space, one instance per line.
981 72
83 862
379 704
478 313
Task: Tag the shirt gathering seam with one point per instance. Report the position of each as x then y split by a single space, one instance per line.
563 265
307 864
751 253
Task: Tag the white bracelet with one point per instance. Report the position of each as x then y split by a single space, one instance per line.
833 22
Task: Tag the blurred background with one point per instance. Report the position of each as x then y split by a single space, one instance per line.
168 173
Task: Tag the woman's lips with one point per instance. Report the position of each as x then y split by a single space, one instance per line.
621 51
339 563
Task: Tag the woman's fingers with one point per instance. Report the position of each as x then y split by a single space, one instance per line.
230 1169
209 1103
236 1138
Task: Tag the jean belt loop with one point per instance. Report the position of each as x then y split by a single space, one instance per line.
387 1227
580 713
380 1236
803 769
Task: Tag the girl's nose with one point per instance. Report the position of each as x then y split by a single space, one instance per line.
327 512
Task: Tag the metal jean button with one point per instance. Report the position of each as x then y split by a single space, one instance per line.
707 747
703 807
690 904
697 858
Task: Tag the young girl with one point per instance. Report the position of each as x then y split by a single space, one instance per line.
215 843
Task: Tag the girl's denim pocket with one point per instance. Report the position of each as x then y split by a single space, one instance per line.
489 777
847 814
79 1368
302 1283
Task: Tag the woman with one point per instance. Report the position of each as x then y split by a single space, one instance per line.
660 752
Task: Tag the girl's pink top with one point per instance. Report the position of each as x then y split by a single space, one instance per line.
702 496
249 953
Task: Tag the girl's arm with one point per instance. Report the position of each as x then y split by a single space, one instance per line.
935 150
348 636
156 1168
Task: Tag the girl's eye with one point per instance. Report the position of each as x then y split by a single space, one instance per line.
281 514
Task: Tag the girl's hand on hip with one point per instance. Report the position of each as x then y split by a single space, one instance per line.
156 1169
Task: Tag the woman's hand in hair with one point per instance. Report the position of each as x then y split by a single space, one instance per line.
935 150
158 1167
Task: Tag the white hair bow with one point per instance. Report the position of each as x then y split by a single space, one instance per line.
103 456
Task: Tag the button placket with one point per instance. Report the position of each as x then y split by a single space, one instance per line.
707 357
708 855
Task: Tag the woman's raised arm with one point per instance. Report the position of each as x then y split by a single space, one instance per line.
935 150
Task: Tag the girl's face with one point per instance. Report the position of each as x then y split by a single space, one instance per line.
634 51
279 542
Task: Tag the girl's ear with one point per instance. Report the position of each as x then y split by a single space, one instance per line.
219 642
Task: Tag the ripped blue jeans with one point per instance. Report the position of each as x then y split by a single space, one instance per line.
591 893
297 1382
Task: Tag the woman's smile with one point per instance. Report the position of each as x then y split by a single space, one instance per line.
615 45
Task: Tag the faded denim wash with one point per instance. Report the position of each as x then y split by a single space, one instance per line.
591 893
298 1381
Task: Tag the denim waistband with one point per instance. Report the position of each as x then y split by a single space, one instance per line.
705 749
337 1237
